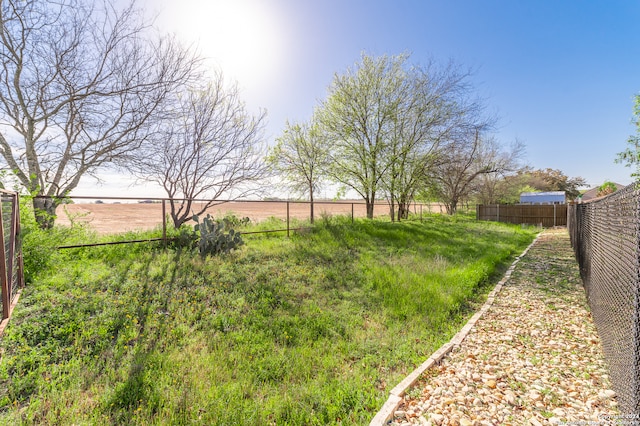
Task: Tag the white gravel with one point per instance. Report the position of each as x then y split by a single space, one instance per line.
534 358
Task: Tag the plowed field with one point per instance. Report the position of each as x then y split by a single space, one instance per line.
114 218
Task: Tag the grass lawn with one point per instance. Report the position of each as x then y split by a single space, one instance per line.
314 329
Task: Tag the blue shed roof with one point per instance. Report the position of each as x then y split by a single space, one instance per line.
543 197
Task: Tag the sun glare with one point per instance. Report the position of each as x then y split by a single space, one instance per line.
244 38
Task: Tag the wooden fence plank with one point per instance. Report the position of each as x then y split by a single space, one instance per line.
546 215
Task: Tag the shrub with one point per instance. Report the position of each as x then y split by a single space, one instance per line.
40 246
233 220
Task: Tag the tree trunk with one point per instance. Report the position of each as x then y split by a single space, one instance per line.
369 205
392 210
311 206
182 214
177 219
44 209
403 211
177 222
452 207
403 207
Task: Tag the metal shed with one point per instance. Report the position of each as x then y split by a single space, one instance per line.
550 197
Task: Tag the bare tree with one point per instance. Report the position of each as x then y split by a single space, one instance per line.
497 187
207 146
435 104
504 184
300 156
79 82
464 159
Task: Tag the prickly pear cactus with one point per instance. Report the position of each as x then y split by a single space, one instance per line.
213 238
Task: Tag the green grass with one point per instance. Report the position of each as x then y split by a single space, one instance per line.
315 329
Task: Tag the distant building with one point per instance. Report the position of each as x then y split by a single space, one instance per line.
593 193
551 197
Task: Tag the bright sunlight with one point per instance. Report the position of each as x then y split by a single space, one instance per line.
244 38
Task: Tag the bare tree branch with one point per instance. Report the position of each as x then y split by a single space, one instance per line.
463 160
209 147
80 82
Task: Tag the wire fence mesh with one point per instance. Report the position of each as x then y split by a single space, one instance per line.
11 278
605 235
119 215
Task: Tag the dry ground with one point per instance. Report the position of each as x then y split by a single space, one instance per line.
114 218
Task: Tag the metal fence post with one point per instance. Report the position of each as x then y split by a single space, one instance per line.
6 288
352 214
164 223
18 243
287 219
12 244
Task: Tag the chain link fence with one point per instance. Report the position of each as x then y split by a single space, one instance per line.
605 235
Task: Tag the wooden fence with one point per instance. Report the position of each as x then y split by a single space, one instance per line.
11 274
545 215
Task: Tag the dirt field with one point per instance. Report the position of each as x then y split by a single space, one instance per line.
116 218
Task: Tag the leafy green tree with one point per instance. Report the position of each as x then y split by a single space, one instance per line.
384 121
554 180
630 157
606 189
300 156
356 118
434 107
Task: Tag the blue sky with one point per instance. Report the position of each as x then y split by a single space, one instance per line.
561 75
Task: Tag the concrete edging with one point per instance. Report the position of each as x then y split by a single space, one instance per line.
395 398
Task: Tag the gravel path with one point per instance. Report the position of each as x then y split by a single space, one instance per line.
534 358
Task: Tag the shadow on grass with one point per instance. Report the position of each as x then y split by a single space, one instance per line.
139 387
